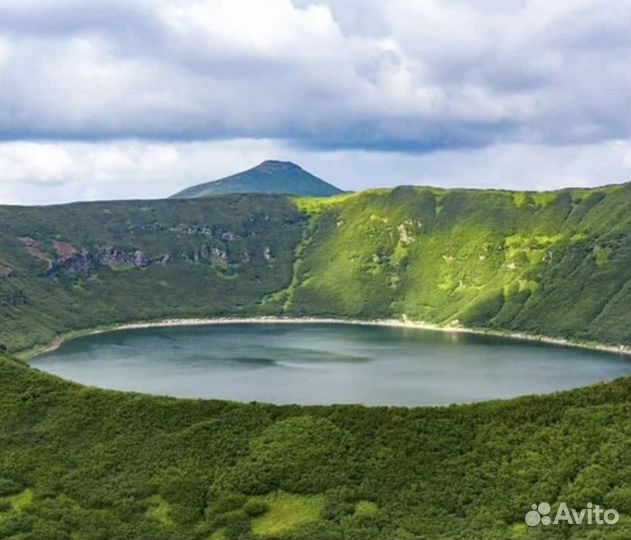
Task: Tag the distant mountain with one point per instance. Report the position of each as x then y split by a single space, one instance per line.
268 177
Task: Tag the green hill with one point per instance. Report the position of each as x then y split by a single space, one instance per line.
268 177
554 264
77 462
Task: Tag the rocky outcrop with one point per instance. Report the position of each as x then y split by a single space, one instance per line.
205 253
79 263
85 262
70 260
209 231
113 257
75 261
219 255
64 249
202 230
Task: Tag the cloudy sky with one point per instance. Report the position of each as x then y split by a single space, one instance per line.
140 98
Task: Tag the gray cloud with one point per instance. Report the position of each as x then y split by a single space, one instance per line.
411 76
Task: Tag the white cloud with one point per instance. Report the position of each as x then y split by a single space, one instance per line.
42 173
45 172
34 163
128 98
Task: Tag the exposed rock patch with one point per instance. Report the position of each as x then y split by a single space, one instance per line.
85 263
73 260
219 255
113 257
81 263
209 231
33 248
64 249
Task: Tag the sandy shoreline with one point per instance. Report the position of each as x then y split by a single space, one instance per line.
26 355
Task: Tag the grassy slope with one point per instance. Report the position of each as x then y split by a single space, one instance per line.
82 463
555 264
194 234
77 462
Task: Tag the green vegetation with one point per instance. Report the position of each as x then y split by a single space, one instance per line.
283 512
553 264
488 259
82 463
86 265
78 462
159 510
268 177
317 205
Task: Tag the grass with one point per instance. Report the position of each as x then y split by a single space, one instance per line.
393 253
431 255
317 205
365 508
159 510
219 534
14 506
21 501
286 511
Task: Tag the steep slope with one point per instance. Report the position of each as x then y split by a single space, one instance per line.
268 177
73 266
556 264
77 462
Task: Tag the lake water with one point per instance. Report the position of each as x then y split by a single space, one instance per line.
326 363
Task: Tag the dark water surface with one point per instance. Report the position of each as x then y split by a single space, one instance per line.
325 363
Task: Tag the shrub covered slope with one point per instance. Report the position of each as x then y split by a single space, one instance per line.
82 265
77 462
554 264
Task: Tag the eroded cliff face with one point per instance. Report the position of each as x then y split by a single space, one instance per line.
88 264
70 260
